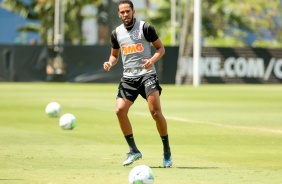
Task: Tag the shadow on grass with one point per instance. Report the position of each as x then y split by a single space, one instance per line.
156 167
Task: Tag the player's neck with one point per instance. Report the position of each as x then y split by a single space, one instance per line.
130 26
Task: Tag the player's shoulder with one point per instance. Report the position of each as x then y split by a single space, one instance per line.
147 26
119 28
116 30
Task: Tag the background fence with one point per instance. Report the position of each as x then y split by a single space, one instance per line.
22 63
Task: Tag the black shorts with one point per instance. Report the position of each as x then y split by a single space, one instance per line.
130 88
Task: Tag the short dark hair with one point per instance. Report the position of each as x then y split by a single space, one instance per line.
126 2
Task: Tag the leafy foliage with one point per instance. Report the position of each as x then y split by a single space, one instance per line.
222 20
43 11
231 19
240 19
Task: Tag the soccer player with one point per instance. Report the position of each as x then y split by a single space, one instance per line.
133 40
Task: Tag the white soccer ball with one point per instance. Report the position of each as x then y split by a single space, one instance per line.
67 121
141 174
53 109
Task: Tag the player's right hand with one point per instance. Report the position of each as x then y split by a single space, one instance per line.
107 66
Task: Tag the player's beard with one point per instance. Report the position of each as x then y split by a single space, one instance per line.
128 24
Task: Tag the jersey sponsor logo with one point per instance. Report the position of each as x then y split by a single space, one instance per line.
150 82
130 49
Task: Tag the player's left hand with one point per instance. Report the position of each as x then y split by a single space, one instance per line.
148 64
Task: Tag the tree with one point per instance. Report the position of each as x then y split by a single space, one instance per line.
43 12
229 19
229 23
226 22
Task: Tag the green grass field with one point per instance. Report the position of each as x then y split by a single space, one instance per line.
219 134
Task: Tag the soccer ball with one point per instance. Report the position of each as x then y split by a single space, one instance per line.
53 109
67 121
141 174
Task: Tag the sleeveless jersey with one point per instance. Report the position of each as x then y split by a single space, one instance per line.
134 48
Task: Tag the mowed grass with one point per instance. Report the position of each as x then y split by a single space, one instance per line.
219 134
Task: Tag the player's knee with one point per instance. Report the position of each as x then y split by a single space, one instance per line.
155 113
120 112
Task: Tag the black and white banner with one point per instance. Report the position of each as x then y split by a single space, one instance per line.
85 64
227 65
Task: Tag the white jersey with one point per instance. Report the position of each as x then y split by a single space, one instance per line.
134 47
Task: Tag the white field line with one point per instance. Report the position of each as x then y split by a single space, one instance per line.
277 131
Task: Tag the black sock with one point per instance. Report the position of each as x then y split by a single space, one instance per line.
166 145
131 143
